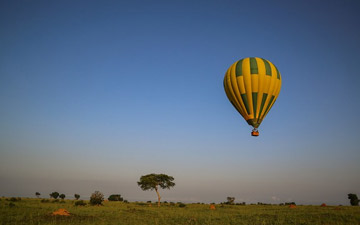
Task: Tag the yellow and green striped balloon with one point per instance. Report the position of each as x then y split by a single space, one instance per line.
252 86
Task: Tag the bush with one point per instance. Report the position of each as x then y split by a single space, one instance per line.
115 198
55 201
261 203
141 203
77 196
11 205
96 198
80 203
13 199
126 201
240 203
44 200
181 205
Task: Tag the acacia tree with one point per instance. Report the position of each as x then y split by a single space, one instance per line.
77 196
37 194
354 201
54 195
62 196
230 200
154 181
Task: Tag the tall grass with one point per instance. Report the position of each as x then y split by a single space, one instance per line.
33 211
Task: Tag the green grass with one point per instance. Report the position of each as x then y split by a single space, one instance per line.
32 211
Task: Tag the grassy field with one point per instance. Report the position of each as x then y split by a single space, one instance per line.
33 211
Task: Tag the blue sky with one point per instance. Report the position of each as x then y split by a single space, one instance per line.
94 94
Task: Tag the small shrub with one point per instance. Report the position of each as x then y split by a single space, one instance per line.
55 201
172 204
44 200
13 199
11 205
126 201
77 196
80 203
96 198
182 205
148 202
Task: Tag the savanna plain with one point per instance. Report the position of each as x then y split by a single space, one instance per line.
34 211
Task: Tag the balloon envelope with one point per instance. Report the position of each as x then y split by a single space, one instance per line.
252 85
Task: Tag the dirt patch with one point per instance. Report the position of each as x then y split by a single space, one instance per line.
61 212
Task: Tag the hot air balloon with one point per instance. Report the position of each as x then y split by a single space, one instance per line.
252 86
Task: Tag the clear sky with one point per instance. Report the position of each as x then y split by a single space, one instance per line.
94 94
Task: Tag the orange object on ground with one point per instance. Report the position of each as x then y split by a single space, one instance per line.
212 207
292 206
61 212
323 205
